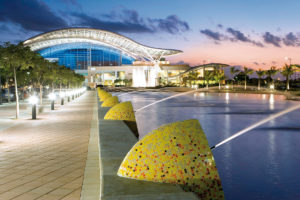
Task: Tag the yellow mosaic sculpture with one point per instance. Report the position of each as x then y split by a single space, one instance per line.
103 95
121 111
110 102
101 92
176 153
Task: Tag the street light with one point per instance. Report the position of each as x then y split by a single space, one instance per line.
52 97
68 93
62 95
33 100
288 58
72 92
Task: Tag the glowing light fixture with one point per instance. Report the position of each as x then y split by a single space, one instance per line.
52 97
33 100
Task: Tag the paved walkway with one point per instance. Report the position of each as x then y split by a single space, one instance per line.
46 158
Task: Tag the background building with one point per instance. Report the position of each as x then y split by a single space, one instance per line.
106 58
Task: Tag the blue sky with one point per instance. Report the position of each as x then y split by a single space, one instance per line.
256 33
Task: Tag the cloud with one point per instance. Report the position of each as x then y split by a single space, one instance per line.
4 28
220 26
129 21
72 3
290 40
235 36
171 24
30 15
181 62
239 36
115 26
272 39
36 16
211 34
255 63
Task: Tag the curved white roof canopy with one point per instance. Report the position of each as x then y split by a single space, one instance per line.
100 37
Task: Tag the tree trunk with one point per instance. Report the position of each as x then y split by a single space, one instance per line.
52 87
287 82
207 85
41 94
16 93
8 91
59 87
245 82
219 85
258 84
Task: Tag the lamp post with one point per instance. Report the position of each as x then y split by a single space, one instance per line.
290 59
68 94
33 100
62 96
52 97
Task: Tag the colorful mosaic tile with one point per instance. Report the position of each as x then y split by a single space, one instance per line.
100 92
176 153
121 111
105 96
110 102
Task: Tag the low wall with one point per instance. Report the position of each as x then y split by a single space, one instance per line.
115 140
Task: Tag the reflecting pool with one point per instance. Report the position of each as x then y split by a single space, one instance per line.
261 164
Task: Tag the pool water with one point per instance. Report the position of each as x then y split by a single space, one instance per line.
261 164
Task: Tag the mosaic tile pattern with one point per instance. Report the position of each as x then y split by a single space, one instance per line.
105 96
110 102
176 153
101 92
121 111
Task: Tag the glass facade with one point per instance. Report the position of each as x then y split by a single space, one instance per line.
82 55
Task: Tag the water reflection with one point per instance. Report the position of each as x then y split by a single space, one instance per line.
252 159
271 101
227 97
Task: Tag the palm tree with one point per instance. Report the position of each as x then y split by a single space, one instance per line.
208 75
272 72
233 71
260 73
247 72
287 71
219 76
193 76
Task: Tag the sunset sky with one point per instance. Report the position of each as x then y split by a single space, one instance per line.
255 33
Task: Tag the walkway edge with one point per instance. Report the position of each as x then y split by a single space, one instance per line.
91 182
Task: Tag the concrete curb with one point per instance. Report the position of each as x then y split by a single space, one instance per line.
91 182
115 140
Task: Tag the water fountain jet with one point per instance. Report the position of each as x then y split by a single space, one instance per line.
249 128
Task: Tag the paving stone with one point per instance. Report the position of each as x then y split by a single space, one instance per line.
45 158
